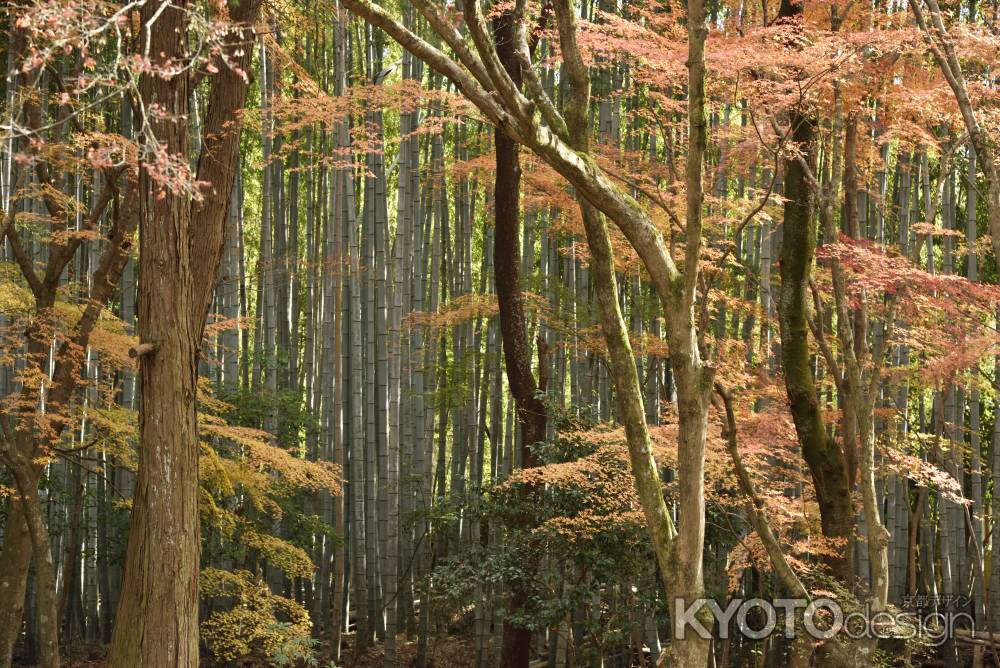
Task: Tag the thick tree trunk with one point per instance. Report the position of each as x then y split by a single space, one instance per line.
823 455
26 477
517 352
15 559
513 322
158 614
157 618
181 242
45 578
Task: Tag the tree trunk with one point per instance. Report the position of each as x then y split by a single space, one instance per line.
823 455
26 481
181 242
157 619
15 559
513 322
861 386
693 378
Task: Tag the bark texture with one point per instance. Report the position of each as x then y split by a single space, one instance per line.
530 409
157 618
181 241
16 559
823 455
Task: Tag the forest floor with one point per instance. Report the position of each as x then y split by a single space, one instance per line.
442 652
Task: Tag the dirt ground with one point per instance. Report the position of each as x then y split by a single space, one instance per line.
442 652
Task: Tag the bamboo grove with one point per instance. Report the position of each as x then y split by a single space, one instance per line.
499 333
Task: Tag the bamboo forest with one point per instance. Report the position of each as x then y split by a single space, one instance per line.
500 333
